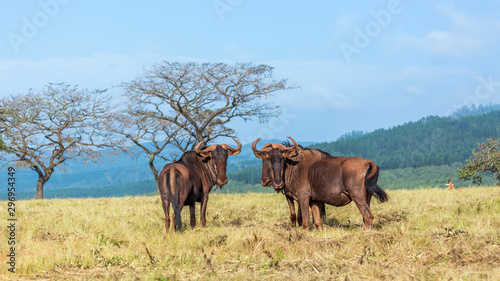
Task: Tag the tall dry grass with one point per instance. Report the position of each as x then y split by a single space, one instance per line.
427 234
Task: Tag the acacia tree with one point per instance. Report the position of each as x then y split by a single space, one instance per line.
42 129
195 102
486 159
201 99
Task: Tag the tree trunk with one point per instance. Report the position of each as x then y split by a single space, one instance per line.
155 172
42 179
39 188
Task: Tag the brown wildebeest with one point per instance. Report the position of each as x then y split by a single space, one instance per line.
313 177
266 180
190 180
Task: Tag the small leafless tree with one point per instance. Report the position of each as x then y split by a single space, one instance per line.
185 103
43 129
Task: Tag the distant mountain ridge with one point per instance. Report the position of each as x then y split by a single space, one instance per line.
474 110
429 141
118 170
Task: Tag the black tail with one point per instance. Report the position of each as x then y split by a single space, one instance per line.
373 187
376 191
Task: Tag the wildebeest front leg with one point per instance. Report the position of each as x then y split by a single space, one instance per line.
293 216
299 214
316 212
192 213
203 210
304 207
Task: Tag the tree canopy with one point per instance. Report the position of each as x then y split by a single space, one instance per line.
486 159
183 104
43 129
202 98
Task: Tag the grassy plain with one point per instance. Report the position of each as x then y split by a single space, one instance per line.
428 234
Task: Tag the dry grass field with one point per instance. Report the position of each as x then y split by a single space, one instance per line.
430 234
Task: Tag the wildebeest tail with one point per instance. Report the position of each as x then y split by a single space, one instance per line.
173 189
372 186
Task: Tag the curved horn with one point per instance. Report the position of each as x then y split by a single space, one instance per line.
295 145
232 151
284 148
227 147
254 145
266 147
205 150
260 153
197 147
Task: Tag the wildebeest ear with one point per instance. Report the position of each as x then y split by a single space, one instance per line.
260 155
233 152
205 154
291 153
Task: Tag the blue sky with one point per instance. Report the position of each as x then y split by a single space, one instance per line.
361 65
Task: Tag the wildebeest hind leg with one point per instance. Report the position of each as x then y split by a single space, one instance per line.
203 210
364 209
166 210
192 214
165 198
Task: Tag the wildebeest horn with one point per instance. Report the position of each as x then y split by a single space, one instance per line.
233 151
206 150
259 153
227 147
295 145
284 148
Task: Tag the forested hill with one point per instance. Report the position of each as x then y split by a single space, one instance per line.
430 141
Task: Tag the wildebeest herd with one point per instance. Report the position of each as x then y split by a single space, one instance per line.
310 177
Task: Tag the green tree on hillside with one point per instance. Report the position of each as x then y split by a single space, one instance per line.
486 159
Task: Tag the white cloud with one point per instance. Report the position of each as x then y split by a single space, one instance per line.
445 43
415 90
100 70
344 24
316 97
451 43
465 35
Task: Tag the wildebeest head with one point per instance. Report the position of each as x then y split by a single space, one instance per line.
266 167
217 155
273 159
